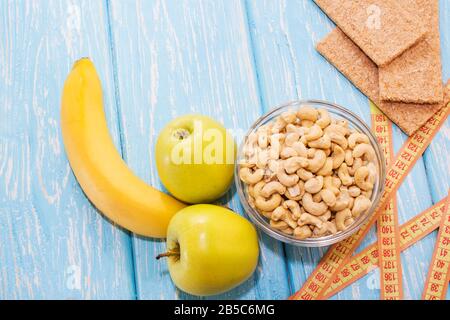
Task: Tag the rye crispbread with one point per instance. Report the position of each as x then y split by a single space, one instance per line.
416 75
381 28
348 58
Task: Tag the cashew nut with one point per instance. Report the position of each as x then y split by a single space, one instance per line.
285 179
292 138
328 197
357 163
289 117
294 208
338 139
291 128
349 157
268 204
314 185
317 197
365 150
306 124
275 146
324 118
255 190
251 177
329 185
311 152
308 219
250 146
349 222
337 182
288 152
271 188
351 203
361 205
327 168
300 148
263 139
278 126
274 165
279 214
335 128
282 214
338 156
262 158
322 143
296 192
341 217
314 208
316 163
293 164
308 113
305 175
279 225
304 140
361 180
344 175
357 138
302 233
354 191
326 217
342 202
314 133
326 229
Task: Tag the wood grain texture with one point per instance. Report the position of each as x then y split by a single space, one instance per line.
230 59
174 58
437 156
53 244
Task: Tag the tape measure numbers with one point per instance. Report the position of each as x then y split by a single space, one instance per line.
340 253
387 224
436 285
410 233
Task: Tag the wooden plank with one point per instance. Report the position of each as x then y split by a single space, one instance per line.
437 156
178 57
53 244
284 34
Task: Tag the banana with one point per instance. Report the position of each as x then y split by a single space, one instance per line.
103 175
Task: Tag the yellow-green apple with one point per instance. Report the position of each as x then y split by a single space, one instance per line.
195 159
211 250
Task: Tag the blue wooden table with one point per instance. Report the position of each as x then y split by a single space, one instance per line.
230 59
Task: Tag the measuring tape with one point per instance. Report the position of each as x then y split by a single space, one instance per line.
436 285
410 233
387 224
340 253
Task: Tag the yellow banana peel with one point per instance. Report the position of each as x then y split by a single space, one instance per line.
103 175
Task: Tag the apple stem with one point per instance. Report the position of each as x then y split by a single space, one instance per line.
181 134
168 254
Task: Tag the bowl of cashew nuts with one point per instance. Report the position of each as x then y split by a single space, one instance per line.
310 173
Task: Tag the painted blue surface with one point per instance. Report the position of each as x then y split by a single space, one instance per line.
230 59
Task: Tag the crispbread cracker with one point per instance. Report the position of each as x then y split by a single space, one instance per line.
416 75
348 58
381 28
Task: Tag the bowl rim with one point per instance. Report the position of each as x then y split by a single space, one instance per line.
261 222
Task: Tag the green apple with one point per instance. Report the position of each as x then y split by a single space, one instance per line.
195 159
210 250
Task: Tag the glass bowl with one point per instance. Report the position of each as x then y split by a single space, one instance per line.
336 112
